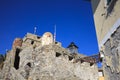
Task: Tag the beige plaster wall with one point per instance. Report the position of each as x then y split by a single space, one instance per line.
103 25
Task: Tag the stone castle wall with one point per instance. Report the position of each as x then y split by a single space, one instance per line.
49 61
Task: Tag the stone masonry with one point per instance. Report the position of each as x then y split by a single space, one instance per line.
111 61
39 58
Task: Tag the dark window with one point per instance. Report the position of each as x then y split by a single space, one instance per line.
111 4
101 59
32 42
58 54
56 42
38 37
70 58
108 2
81 61
29 64
17 59
91 64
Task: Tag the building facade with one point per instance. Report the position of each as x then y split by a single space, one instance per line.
107 23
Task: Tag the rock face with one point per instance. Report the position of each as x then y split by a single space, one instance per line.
111 60
45 62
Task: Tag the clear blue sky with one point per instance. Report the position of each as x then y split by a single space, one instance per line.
73 18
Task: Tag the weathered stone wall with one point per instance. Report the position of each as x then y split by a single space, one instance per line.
42 63
45 65
111 61
45 62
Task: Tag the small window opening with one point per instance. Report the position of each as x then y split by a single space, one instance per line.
56 42
91 64
70 58
81 61
58 54
29 64
17 59
108 2
32 42
38 37
101 59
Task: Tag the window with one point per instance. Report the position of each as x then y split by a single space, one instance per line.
29 64
38 37
108 2
110 6
17 59
70 58
91 64
58 54
32 42
56 42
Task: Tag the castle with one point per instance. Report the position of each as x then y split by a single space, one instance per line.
41 58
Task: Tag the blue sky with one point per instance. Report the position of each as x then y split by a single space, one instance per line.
73 19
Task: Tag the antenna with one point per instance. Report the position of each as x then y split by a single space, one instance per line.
55 33
35 28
